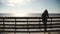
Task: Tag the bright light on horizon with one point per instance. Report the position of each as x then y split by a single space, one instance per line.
20 14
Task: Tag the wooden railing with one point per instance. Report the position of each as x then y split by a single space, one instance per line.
28 24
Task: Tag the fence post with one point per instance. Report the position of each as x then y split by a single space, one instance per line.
3 25
15 27
39 24
28 26
51 23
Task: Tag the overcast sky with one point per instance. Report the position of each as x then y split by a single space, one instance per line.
22 7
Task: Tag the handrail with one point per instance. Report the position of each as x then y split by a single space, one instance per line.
28 26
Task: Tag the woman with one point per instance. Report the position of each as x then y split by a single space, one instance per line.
45 16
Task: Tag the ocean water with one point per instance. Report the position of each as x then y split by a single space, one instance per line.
29 15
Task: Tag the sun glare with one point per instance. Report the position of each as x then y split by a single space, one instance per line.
20 14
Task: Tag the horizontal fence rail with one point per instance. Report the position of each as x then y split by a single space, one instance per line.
28 24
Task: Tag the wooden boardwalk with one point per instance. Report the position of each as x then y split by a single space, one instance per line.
28 24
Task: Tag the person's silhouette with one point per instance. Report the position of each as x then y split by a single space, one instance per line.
45 15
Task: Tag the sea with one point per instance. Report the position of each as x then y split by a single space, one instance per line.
29 15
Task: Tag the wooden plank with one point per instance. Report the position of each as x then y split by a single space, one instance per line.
29 24
28 27
32 31
32 21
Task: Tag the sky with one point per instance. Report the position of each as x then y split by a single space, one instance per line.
24 7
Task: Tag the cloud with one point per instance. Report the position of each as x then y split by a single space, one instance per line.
11 5
14 2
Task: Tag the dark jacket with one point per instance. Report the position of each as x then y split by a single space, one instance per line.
45 16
